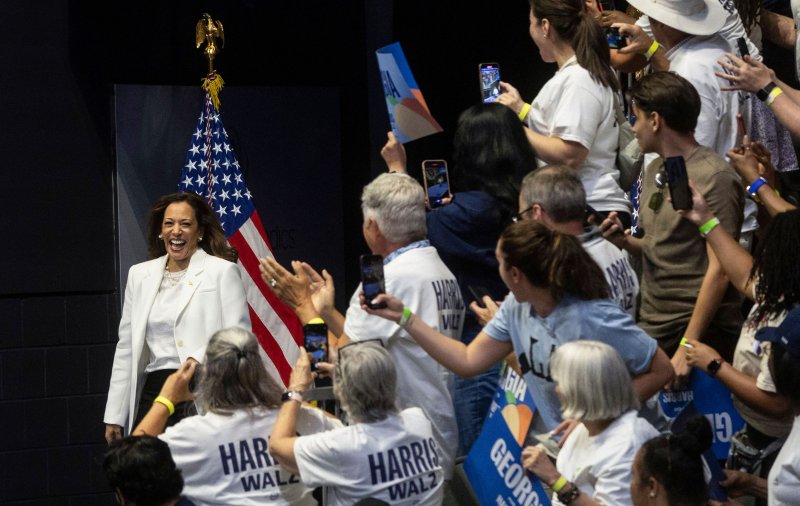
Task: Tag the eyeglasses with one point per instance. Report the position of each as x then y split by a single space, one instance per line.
521 215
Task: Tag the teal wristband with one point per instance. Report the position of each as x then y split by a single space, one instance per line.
406 318
708 226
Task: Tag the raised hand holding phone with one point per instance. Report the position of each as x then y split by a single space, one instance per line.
436 181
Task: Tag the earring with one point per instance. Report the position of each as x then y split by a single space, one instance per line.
652 494
201 238
160 236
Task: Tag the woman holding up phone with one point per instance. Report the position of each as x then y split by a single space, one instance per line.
572 119
490 157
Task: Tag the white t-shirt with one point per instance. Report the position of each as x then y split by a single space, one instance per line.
395 460
752 358
574 107
600 466
784 477
225 459
623 285
420 279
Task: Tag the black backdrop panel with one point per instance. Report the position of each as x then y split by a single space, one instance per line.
287 141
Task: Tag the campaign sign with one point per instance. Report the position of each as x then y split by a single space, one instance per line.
408 112
494 464
711 399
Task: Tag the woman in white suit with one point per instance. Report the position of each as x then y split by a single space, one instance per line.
174 302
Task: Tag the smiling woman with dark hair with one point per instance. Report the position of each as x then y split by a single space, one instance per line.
189 289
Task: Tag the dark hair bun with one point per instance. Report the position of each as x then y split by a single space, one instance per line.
696 437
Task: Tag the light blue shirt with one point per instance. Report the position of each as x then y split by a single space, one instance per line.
535 339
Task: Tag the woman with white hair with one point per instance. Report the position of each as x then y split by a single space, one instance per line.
594 465
223 453
384 454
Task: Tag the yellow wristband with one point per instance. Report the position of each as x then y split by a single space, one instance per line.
651 50
560 483
524 111
773 95
166 402
683 341
315 321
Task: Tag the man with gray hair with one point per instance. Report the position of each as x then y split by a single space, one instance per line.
394 227
554 195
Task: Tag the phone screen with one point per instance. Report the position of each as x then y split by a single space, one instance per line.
490 81
316 342
615 39
437 182
678 182
372 280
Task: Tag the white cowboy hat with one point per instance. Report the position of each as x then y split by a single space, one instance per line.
695 17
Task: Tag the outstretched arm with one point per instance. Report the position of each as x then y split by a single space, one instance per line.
174 391
466 361
735 260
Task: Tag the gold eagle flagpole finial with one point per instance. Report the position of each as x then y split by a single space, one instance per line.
207 30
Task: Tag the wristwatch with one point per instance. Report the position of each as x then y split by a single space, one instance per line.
763 93
292 395
713 366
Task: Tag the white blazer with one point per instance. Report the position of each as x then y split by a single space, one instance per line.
212 298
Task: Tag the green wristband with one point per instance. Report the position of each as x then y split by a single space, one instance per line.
405 318
708 226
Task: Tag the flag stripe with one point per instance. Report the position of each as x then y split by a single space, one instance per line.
284 318
212 171
269 310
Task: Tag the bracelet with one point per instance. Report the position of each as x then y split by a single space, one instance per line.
315 321
406 318
524 111
708 226
166 402
560 483
773 95
652 50
683 341
755 185
570 495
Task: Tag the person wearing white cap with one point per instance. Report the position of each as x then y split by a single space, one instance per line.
688 30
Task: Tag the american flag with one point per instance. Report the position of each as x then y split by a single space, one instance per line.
212 171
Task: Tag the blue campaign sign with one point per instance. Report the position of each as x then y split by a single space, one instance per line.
712 399
494 464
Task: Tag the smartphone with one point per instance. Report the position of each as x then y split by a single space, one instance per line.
678 182
372 279
436 180
478 292
743 50
489 74
615 39
315 341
